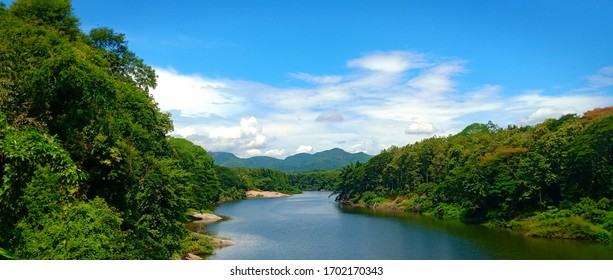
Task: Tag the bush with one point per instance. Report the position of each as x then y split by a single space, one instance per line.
565 224
369 198
195 244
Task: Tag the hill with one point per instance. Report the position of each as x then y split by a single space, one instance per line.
326 160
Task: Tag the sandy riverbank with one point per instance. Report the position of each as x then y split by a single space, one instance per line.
264 194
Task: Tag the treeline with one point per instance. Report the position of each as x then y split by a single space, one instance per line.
238 180
87 169
554 179
319 180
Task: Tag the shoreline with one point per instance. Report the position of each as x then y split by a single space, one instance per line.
204 219
516 225
264 194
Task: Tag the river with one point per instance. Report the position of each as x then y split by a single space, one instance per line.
312 226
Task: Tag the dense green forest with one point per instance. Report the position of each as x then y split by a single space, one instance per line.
554 179
87 167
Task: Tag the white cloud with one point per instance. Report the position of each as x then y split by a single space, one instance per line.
388 62
437 79
369 146
252 153
277 153
420 128
542 114
304 149
194 95
377 103
245 139
185 132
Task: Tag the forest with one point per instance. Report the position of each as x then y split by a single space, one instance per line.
554 179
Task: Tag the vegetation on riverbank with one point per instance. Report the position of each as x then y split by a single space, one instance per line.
554 179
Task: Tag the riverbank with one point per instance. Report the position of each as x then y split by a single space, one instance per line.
573 223
199 250
199 245
264 194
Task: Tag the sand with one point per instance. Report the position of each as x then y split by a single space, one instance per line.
264 194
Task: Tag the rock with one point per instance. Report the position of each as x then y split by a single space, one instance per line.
206 216
190 256
220 243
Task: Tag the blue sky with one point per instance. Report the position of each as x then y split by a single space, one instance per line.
280 77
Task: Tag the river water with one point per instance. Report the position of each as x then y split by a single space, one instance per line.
312 226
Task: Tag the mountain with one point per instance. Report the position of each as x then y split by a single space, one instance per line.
326 160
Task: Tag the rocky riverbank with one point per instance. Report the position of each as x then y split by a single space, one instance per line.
196 226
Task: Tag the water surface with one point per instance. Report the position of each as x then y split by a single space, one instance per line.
312 226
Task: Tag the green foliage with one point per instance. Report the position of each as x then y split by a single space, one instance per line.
314 180
447 211
6 254
567 224
236 181
203 189
266 180
56 13
123 63
86 230
231 184
489 174
195 244
370 198
109 155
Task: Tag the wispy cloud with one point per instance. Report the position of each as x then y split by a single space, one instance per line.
389 62
603 78
383 99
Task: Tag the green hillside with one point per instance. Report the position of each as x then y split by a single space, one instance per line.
326 160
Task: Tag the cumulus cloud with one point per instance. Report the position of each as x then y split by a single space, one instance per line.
247 135
185 131
305 149
420 128
193 95
245 139
368 145
277 153
329 117
543 114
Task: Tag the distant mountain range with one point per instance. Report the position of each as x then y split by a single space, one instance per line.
326 160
